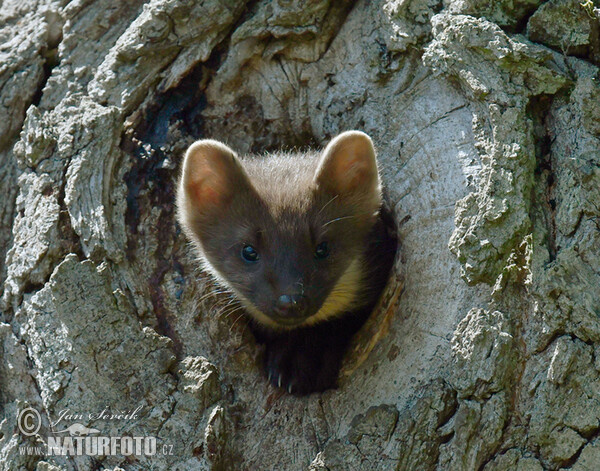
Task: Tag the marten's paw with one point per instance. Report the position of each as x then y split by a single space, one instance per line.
301 365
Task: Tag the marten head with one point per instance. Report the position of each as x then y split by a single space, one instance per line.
285 233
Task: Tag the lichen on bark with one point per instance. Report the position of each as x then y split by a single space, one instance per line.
482 354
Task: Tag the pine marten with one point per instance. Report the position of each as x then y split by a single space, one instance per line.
301 242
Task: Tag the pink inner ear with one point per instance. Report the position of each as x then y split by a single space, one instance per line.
207 181
205 195
350 172
207 191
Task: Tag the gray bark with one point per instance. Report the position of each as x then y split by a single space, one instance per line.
484 353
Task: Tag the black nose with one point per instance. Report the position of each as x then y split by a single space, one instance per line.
290 305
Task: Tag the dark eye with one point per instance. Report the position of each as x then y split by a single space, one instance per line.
322 250
249 254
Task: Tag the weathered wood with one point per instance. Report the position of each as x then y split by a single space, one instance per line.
483 354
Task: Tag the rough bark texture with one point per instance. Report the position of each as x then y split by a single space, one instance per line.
485 351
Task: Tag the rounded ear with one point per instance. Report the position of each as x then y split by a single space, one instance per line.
348 167
210 177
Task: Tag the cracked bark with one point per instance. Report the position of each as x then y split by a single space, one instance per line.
484 351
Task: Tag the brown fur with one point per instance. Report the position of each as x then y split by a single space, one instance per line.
285 205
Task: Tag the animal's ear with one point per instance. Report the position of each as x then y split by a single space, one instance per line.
348 167
211 176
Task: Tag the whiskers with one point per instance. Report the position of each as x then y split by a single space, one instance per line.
338 219
232 308
224 311
214 292
327 204
360 216
226 308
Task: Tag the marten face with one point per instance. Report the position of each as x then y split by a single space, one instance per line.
291 253
292 267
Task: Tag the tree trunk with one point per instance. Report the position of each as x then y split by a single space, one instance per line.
484 353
